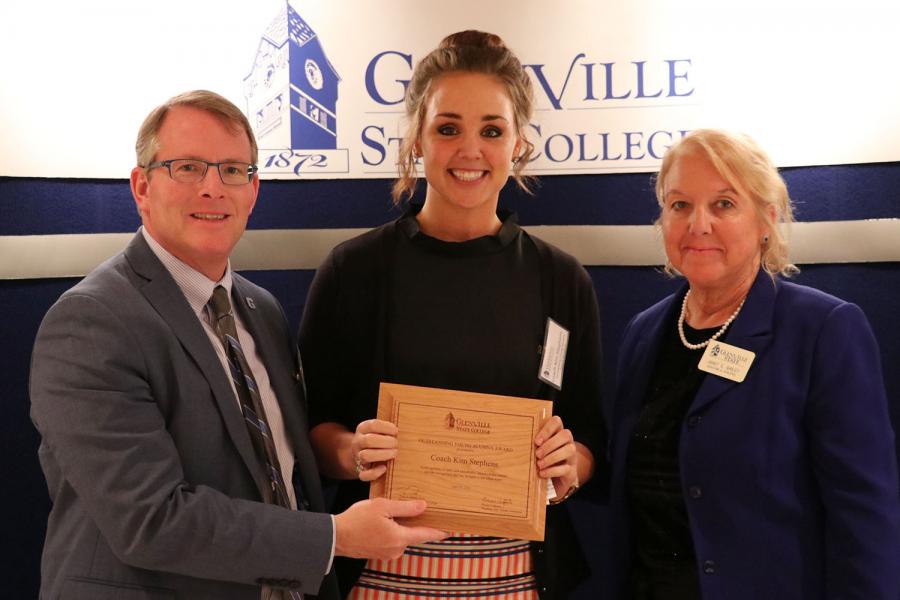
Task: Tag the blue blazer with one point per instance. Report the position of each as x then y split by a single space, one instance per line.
793 472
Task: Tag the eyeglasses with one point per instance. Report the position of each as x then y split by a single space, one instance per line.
189 170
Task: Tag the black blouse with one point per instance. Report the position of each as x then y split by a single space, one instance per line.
664 564
466 315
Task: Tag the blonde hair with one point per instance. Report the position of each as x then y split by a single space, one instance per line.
147 144
749 170
468 51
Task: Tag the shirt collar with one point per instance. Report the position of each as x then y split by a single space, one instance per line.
196 287
509 230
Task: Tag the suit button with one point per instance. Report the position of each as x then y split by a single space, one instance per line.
296 375
693 422
709 567
695 492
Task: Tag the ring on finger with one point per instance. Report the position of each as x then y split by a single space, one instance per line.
359 465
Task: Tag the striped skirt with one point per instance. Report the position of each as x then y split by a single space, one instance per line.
463 566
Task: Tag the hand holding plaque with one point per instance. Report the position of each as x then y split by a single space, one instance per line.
374 443
557 459
470 456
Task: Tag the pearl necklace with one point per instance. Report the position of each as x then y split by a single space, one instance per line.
715 336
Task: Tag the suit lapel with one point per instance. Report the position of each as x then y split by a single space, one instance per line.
284 374
752 330
168 300
639 370
647 350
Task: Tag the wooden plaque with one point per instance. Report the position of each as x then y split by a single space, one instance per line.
470 456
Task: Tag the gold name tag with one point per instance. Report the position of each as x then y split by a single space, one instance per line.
726 361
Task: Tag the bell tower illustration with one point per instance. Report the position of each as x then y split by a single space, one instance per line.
292 88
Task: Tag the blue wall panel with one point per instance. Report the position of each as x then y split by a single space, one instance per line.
41 206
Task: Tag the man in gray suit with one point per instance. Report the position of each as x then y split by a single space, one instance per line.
159 489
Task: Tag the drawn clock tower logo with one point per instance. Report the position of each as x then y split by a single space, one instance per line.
292 93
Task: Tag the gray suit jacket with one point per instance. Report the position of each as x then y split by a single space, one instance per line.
154 483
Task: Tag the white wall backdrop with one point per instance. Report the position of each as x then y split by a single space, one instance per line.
814 82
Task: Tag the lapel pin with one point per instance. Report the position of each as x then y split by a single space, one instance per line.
251 303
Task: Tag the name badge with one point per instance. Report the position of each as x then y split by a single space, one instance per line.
553 358
726 361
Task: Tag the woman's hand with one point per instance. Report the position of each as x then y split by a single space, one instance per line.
373 444
557 455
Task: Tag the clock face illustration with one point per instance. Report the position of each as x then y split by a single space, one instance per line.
313 73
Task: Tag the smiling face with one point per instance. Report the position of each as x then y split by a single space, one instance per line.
468 140
712 233
199 223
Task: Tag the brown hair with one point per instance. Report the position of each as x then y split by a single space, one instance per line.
232 117
750 171
475 52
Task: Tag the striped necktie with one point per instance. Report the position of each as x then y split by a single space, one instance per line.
248 395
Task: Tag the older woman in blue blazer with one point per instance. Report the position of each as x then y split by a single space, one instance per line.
753 453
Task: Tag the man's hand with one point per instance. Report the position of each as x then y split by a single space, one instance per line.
368 530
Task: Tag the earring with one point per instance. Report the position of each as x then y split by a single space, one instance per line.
765 239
